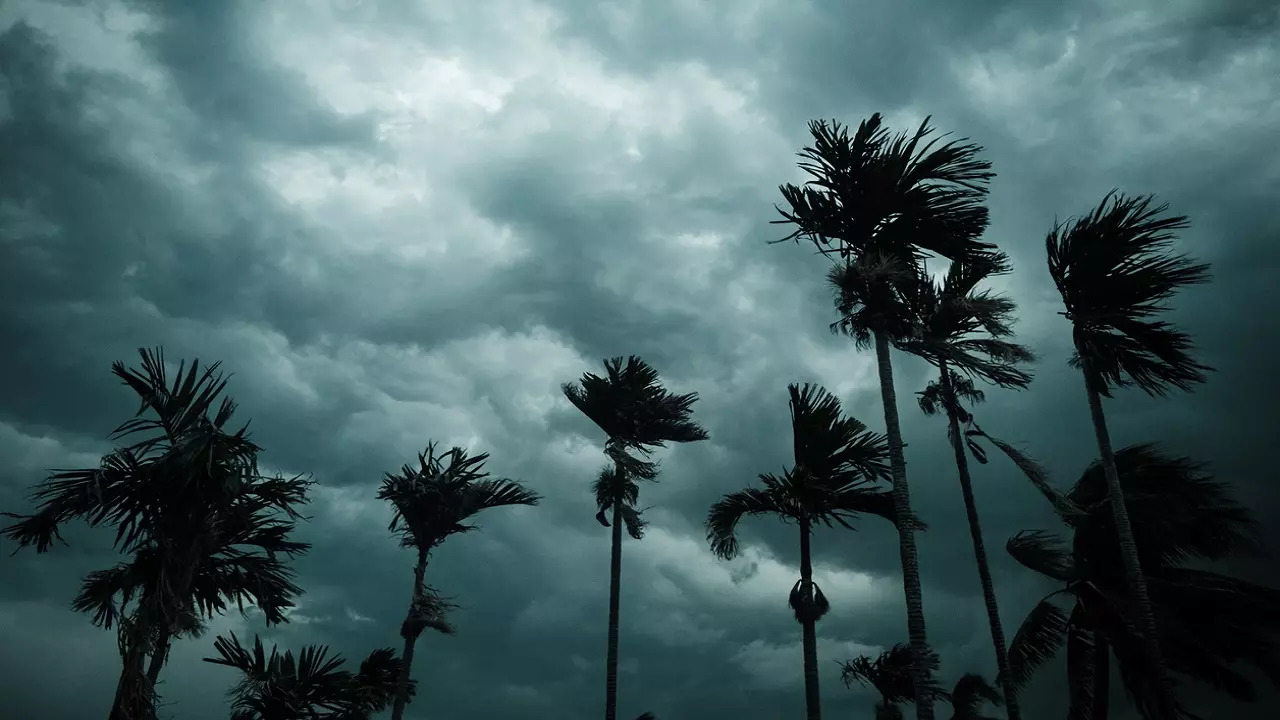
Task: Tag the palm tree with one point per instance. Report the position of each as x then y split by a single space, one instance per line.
837 463
971 691
431 503
879 203
312 686
1210 623
892 674
202 525
636 414
960 328
1114 272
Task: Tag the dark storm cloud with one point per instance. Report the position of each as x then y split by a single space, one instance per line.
145 202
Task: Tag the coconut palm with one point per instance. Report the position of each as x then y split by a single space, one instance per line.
878 204
202 525
1114 271
838 463
637 415
310 686
431 503
1211 624
959 328
892 674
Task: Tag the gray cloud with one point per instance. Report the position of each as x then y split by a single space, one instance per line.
397 222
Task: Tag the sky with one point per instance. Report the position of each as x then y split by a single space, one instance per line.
397 222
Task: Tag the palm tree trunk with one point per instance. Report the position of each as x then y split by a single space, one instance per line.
1101 678
812 700
158 658
906 532
615 590
1146 618
980 550
410 640
131 701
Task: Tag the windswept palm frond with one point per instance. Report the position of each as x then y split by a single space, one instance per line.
890 673
1038 639
968 696
632 407
1115 272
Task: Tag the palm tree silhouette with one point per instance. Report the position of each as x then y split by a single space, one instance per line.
837 464
958 327
202 525
431 503
312 686
1210 623
971 691
878 204
1114 272
892 674
636 414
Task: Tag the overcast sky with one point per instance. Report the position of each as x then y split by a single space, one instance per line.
401 221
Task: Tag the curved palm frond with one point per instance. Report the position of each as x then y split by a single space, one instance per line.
1063 503
1038 639
968 696
1044 553
1115 273
723 518
836 450
890 673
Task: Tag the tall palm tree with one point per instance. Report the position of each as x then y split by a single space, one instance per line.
1210 624
878 204
959 328
202 525
838 462
892 674
431 503
312 686
1114 271
637 415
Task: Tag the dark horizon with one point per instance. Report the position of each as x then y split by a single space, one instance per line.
397 224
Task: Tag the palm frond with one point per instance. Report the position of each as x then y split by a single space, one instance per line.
835 449
723 518
1083 667
632 407
1044 553
1115 273
1038 639
968 696
1065 504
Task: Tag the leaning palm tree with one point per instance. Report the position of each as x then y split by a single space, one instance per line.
1211 625
202 525
1114 271
838 463
960 329
310 686
892 674
878 204
637 415
431 503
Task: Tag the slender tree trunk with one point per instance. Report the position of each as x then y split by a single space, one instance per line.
906 532
133 698
410 640
812 698
1101 679
615 590
158 658
980 550
1145 614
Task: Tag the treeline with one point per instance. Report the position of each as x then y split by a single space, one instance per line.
202 528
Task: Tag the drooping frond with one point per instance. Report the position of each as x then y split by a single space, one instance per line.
723 518
1115 272
1037 640
632 407
867 293
1043 552
808 604
890 673
1064 504
968 696
1087 660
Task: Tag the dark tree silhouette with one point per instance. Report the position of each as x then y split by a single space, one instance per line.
892 674
971 691
1211 624
961 328
879 204
189 506
838 463
433 502
637 415
312 686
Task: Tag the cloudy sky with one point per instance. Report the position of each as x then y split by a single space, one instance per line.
401 221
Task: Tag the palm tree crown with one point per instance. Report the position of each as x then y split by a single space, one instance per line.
1209 623
837 464
1114 272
